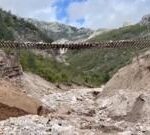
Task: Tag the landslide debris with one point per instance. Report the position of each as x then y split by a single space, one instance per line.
121 107
14 103
135 76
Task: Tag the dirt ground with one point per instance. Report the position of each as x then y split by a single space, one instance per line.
121 107
7 112
13 102
135 76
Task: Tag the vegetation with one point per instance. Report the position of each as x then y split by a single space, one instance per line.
128 32
45 67
86 67
90 67
98 66
56 72
14 28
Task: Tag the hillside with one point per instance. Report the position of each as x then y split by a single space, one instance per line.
128 32
87 67
98 66
14 28
83 111
135 76
120 107
139 30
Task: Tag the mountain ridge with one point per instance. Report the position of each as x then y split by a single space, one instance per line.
59 31
16 28
92 67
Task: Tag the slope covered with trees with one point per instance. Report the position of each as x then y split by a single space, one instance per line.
15 28
88 67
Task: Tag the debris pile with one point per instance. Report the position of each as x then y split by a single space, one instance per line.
121 107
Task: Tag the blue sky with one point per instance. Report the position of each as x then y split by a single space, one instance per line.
81 13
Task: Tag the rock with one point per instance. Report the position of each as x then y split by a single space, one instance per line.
62 130
145 20
135 76
78 112
123 113
36 86
58 31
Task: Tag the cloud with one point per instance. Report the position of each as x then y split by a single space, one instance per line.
81 13
40 9
107 13
47 14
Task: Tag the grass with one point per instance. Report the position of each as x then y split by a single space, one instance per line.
91 67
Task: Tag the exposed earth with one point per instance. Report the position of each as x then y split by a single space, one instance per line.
121 107
30 105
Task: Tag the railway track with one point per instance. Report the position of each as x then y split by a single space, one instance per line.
142 43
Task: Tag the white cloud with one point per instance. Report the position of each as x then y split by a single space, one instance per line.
47 14
40 9
108 13
96 13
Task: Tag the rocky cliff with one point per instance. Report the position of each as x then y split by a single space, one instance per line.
145 19
58 31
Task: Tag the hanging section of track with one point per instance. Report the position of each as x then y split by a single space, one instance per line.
142 43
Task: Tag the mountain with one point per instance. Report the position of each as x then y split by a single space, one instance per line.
91 67
58 31
96 66
128 32
97 32
145 20
15 28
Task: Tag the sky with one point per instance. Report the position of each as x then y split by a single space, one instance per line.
92 14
